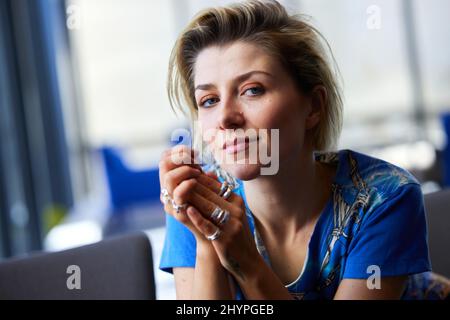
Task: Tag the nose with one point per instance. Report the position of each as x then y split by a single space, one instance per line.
231 115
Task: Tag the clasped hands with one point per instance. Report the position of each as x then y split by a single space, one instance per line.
209 209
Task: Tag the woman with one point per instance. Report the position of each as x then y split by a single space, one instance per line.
329 225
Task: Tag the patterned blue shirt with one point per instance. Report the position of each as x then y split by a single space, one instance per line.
374 219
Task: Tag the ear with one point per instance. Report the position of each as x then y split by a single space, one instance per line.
318 98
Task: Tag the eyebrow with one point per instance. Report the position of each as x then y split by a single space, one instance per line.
239 78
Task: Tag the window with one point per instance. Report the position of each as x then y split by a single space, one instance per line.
122 50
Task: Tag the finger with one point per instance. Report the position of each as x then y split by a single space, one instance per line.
210 182
205 226
209 194
184 148
178 151
212 175
174 177
206 207
181 154
170 210
172 161
166 164
183 192
186 153
179 194
214 186
181 216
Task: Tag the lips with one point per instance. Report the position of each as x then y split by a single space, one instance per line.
238 144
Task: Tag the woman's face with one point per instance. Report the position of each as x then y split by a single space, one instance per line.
240 86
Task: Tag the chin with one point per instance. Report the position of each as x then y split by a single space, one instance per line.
243 172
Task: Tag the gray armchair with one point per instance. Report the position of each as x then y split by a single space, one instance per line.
116 268
437 206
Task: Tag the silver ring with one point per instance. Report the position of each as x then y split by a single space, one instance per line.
165 196
216 215
223 188
227 193
225 218
215 235
220 216
178 207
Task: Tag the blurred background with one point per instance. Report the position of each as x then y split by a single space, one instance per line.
84 113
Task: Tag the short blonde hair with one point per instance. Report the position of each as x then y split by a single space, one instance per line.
299 46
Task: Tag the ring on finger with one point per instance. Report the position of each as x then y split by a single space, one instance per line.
220 216
165 196
178 207
227 193
215 235
225 218
223 188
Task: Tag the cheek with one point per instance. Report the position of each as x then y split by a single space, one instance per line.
283 114
205 120
267 114
208 129
287 116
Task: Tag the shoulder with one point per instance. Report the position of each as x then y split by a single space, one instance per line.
378 208
373 181
377 173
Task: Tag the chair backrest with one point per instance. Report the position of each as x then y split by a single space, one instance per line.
129 187
437 206
116 268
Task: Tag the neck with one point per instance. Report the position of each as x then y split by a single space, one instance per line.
292 199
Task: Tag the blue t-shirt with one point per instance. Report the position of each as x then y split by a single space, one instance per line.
374 219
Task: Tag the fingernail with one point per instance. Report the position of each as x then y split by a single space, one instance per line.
191 211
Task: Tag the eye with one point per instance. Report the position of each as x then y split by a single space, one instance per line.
254 91
208 102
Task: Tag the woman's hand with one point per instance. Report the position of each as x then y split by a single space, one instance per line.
176 166
186 184
235 245
208 280
178 169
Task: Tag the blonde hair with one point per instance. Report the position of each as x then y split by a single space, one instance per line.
299 46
